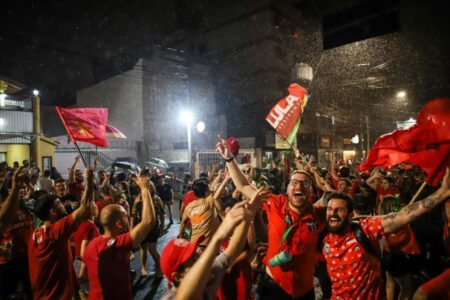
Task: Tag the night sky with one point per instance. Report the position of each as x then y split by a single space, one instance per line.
60 47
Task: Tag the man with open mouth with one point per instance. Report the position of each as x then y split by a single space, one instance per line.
294 225
354 271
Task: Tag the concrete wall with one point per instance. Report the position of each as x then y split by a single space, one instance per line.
171 85
17 153
122 95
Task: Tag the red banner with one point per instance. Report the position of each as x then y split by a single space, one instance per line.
85 124
426 144
285 114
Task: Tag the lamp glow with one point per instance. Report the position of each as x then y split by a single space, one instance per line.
35 93
186 117
200 126
401 94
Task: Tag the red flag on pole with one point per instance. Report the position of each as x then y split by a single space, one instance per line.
285 115
85 124
426 144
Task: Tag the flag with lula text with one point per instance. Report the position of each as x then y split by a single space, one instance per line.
426 144
285 116
85 124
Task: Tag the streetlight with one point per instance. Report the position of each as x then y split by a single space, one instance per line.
35 93
186 117
401 94
200 126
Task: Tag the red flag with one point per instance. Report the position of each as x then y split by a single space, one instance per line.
426 144
85 124
285 115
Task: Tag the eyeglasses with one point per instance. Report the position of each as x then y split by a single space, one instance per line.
303 183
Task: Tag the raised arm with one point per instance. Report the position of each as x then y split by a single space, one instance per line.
240 215
371 180
9 207
83 212
393 222
218 193
148 220
239 179
239 237
201 270
321 182
73 169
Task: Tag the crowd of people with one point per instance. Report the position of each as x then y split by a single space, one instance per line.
244 233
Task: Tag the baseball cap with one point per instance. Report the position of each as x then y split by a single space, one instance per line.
177 252
233 145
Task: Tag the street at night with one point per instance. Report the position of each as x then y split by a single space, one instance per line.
239 149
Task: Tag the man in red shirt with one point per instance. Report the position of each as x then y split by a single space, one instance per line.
85 233
13 243
107 257
294 226
52 273
354 272
76 180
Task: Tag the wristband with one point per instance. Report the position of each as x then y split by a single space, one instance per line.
228 159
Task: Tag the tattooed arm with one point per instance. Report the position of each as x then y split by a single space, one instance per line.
393 222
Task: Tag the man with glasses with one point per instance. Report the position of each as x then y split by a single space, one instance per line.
294 225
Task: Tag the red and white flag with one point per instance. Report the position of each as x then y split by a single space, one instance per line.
285 115
113 132
85 124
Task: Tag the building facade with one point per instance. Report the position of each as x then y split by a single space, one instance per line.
145 103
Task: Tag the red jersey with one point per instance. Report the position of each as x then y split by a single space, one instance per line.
188 198
108 264
86 231
17 235
354 273
52 274
296 277
102 203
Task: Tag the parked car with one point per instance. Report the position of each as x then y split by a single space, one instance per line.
123 166
156 163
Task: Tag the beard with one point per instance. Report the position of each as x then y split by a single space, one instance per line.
338 225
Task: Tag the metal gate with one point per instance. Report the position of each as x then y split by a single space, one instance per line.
205 159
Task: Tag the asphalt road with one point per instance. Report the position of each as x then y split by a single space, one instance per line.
149 287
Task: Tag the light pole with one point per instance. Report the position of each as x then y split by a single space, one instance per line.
186 117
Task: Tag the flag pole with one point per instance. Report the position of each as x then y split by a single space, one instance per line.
418 192
432 177
81 155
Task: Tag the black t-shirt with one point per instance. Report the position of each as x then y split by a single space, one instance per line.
164 192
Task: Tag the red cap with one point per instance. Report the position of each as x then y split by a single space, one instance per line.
177 252
233 145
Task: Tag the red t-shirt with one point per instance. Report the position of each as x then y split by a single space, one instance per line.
236 284
52 274
102 203
296 277
188 198
17 235
354 273
76 189
108 264
86 231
